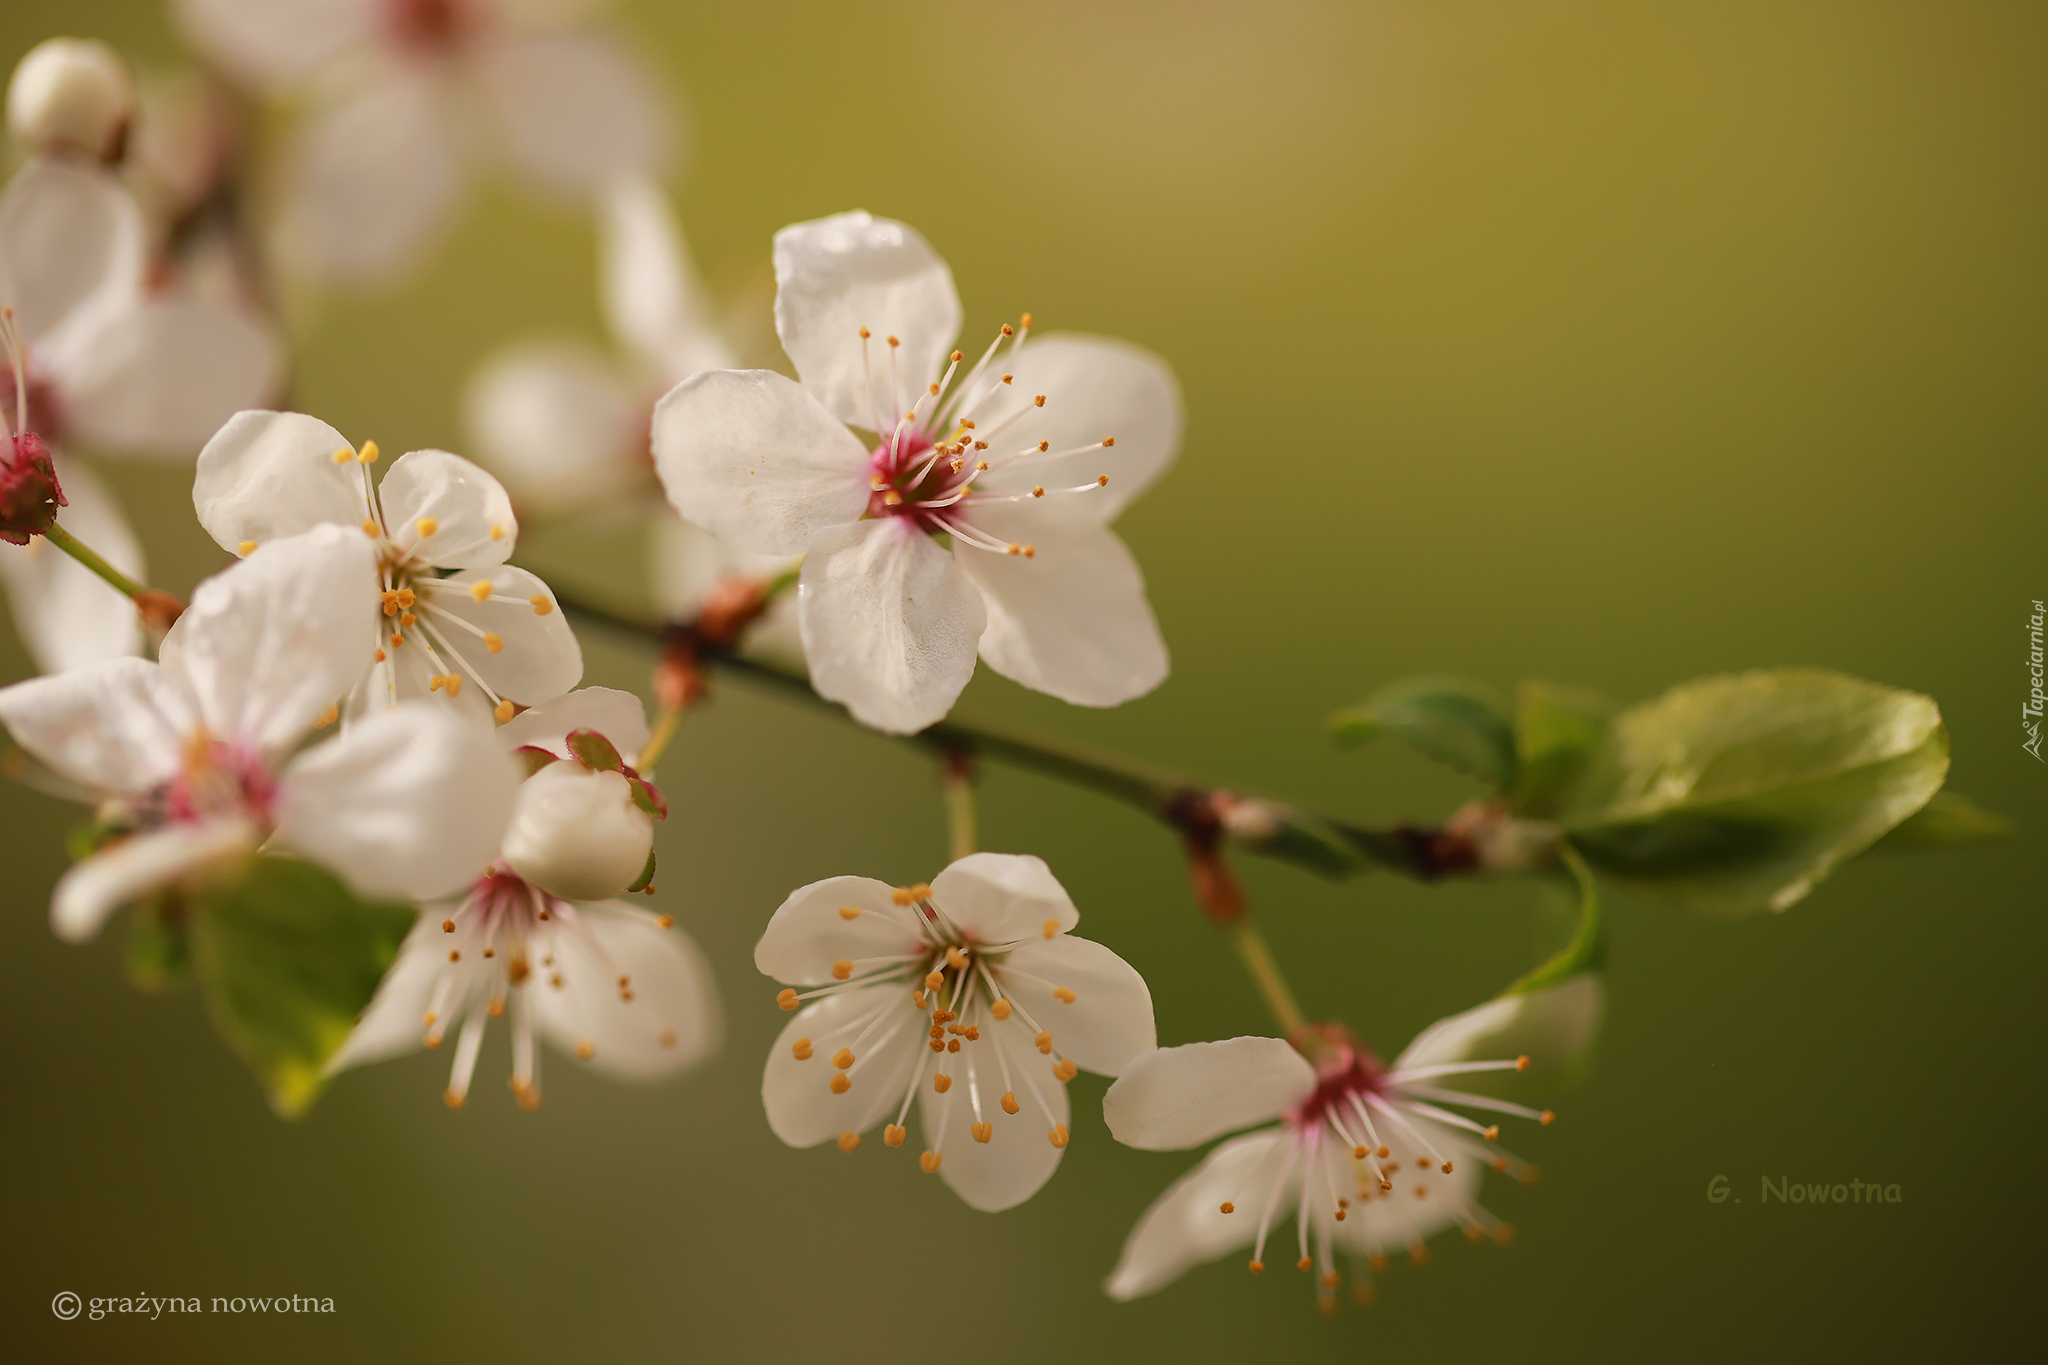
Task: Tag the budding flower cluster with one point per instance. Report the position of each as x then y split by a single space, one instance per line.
70 95
29 495
583 828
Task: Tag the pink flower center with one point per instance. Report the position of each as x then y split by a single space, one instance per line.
217 779
1349 1075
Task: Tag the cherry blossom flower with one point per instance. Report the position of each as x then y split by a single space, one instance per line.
406 97
70 96
614 985
969 995
973 516
271 474
1366 1158
194 761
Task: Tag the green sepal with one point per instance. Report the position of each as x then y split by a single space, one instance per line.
289 959
1454 721
1741 792
1946 821
1558 732
594 751
646 874
648 797
533 758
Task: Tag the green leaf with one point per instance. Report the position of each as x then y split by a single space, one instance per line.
1947 821
1739 793
1452 720
1558 730
289 958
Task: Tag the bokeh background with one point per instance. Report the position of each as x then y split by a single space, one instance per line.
1601 342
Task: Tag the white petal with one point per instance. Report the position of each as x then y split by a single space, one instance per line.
409 803
837 275
372 182
1095 387
802 1108
578 109
68 617
999 897
158 380
99 885
276 44
649 288
1183 1096
618 716
671 1022
270 643
1186 1225
266 475
540 658
115 727
1019 1156
1553 1027
752 458
69 239
1072 619
1108 1025
395 1021
473 525
558 425
809 932
890 623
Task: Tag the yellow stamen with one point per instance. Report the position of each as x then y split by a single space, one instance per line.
941 1082
586 1049
1009 1102
894 1134
1063 995
929 1162
246 548
494 643
426 526
1049 928
786 998
1000 1009
327 717
371 528
1229 1207
541 605
801 1049
480 589
1044 1042
344 455
984 1131
369 455
1064 1069
1058 1136
843 1058
849 1140
849 912
503 710
841 1083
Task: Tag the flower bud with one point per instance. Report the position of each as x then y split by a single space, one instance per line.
577 834
70 95
29 495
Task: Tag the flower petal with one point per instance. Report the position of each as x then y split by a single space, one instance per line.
266 475
670 1022
837 275
890 623
810 931
1554 1027
116 727
67 616
470 515
1186 1225
803 1109
1183 1096
159 379
1001 897
69 238
1019 1156
372 181
753 459
578 109
1108 1023
618 716
410 802
394 1022
557 424
1072 619
651 294
1095 387
270 643
539 658
103 882
275 44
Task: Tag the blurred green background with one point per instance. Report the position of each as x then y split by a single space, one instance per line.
1607 343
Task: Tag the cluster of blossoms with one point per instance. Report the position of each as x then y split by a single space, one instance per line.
372 688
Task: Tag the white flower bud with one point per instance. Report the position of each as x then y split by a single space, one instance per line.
70 95
577 834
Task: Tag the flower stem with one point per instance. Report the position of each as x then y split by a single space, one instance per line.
960 804
1265 973
91 558
1589 939
658 739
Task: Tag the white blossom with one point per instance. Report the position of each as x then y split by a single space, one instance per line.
969 995
70 96
972 516
193 758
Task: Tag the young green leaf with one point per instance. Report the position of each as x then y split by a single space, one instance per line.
1558 730
1453 721
1739 793
288 958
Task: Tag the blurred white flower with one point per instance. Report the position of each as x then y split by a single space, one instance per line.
1008 465
406 96
969 995
614 985
194 756
70 96
1365 1158
67 617
271 474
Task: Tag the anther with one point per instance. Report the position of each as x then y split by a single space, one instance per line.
1063 995
1025 322
371 528
1009 331
540 603
1049 928
849 912
480 589
938 1046
447 926
1303 1264
849 1140
1044 1043
952 1045
842 969
1038 490
1384 1153
843 1058
894 342
893 1135
928 1162
786 998
497 531
932 389
1545 1118
369 455
406 620
1064 1069
1044 446
934 980
426 526
801 1049
892 498
585 1049
1341 1215
455 955
1108 441
955 958
1000 1009
1058 1136
494 642
865 334
984 1131
1522 1062
1031 552
328 717
665 921
1039 401
344 455
451 1099
1009 1102
841 1083
1227 1207
1446 1168
917 998
247 547
1102 480
941 1082
396 639
503 710
379 656
1258 1267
